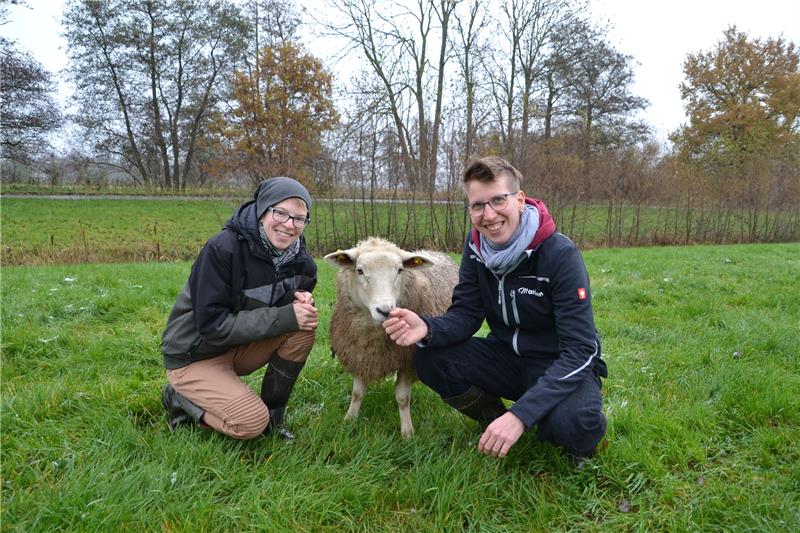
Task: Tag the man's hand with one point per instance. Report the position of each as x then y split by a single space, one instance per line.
405 327
306 314
501 435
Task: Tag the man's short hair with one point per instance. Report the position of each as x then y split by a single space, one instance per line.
491 168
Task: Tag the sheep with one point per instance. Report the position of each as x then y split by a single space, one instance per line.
375 277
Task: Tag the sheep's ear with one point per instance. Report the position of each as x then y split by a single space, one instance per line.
342 258
412 260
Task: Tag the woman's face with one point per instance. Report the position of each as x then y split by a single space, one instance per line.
497 224
283 234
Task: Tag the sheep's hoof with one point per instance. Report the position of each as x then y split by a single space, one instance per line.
407 433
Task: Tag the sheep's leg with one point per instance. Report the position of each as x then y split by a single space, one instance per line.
359 390
402 393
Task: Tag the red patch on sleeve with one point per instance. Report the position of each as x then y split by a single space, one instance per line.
581 294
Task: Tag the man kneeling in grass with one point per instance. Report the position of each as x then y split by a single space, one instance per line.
530 284
247 304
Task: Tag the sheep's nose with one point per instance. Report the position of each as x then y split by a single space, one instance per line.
383 310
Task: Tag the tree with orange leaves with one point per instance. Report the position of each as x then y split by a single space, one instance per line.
743 137
282 106
742 97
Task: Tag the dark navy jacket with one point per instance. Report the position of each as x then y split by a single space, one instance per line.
541 309
234 295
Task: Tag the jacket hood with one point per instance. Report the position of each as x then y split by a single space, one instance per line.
244 223
547 226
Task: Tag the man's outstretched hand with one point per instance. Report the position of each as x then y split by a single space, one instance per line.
501 435
405 327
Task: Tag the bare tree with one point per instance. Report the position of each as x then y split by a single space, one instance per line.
599 92
276 20
564 54
543 17
147 74
519 62
503 76
469 50
397 44
28 111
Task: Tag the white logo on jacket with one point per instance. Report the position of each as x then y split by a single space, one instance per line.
532 292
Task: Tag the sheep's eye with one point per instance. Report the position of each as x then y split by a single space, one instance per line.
400 270
360 271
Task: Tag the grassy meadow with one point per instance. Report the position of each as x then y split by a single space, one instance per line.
57 231
703 403
39 231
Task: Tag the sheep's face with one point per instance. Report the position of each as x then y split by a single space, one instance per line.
378 277
378 283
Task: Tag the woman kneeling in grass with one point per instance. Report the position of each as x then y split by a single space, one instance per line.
247 303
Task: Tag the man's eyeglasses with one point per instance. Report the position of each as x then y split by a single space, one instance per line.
496 203
281 216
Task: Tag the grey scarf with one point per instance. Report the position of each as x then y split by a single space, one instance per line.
279 257
502 259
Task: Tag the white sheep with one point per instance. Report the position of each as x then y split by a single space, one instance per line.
375 277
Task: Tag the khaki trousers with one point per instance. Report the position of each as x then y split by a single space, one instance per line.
214 384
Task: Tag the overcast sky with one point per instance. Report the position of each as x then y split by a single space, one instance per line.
658 34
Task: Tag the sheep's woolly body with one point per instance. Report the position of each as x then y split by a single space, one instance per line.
364 349
360 344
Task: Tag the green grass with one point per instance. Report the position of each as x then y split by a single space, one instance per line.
38 231
46 231
703 402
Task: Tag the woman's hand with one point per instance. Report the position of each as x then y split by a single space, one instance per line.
306 314
303 297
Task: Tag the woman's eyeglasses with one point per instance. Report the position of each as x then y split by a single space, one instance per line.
281 216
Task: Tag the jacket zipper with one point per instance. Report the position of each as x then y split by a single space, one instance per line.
501 300
275 279
514 339
514 306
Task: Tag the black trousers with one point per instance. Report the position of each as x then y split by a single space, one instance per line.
577 423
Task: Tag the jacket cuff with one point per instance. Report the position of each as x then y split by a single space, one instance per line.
525 417
287 318
424 342
427 339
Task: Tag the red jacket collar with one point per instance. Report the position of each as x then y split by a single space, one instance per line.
547 226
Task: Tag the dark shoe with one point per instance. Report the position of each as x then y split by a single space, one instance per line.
478 405
578 458
279 379
275 428
179 409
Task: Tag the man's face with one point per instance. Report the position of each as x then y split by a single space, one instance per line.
283 234
501 216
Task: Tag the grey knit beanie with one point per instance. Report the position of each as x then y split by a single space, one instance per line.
273 191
